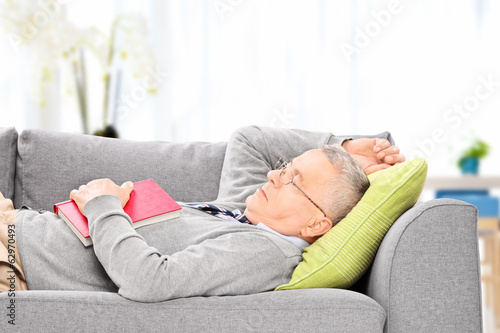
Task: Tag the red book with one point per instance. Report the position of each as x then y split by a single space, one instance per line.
148 204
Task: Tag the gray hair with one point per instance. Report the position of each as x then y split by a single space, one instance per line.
349 185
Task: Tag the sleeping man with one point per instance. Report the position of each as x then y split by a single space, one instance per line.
287 205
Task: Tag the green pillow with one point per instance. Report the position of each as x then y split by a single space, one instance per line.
341 256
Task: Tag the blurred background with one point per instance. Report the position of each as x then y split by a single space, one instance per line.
427 71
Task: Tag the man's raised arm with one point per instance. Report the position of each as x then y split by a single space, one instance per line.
252 152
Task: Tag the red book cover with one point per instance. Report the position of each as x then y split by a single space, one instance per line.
148 204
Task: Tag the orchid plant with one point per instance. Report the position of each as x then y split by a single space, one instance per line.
54 44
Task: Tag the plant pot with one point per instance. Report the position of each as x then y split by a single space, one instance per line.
108 132
469 165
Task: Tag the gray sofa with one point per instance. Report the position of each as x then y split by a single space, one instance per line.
425 277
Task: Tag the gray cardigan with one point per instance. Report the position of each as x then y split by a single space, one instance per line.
196 254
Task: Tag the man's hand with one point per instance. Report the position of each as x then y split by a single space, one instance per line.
373 154
101 187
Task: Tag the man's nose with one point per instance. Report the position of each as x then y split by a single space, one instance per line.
273 177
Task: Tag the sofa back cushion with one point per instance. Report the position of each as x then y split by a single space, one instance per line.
8 144
51 164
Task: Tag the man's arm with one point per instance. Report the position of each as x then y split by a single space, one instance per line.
252 152
239 263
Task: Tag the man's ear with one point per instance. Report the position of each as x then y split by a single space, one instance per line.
317 227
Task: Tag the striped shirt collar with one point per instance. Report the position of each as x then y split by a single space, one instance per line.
297 241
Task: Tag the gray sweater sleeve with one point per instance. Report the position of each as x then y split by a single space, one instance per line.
241 263
252 152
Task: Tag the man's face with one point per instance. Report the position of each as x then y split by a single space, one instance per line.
284 208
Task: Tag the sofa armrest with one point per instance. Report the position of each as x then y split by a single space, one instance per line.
8 150
426 274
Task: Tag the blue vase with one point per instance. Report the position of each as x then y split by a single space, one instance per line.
470 165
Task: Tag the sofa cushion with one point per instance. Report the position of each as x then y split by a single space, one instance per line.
8 146
341 256
288 311
51 164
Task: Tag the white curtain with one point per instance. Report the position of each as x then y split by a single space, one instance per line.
410 67
361 66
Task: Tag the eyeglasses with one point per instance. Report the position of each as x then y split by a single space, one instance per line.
286 177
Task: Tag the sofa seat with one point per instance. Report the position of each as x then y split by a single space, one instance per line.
323 310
